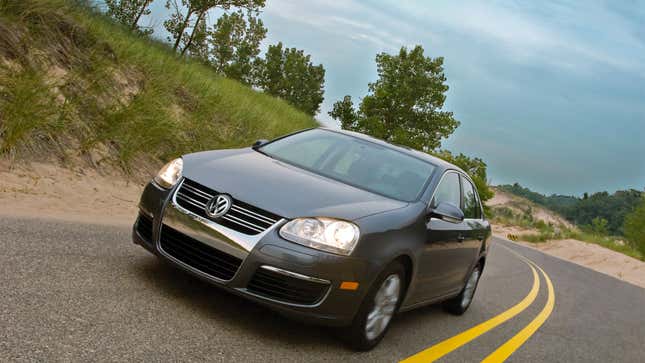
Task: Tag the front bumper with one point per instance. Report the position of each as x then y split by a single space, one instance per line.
267 253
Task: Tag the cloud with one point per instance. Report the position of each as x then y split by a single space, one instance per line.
324 16
576 37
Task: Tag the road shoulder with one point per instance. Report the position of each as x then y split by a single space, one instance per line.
594 257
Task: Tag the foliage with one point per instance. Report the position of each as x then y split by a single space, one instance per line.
129 12
289 74
183 29
635 227
26 109
582 211
405 104
404 108
235 45
198 47
547 231
72 81
599 226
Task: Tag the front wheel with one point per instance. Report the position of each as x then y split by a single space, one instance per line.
378 308
460 303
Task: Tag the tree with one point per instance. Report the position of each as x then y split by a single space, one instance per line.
289 74
129 12
235 45
182 27
635 227
198 48
344 111
599 225
405 103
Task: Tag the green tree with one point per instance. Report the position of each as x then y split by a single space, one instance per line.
198 48
187 14
635 227
288 73
129 12
599 225
344 111
235 45
405 104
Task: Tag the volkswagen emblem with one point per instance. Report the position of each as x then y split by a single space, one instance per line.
218 206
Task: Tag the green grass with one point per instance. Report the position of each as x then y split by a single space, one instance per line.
71 79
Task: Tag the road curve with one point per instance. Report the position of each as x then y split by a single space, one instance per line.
75 291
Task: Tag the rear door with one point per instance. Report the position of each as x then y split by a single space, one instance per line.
474 230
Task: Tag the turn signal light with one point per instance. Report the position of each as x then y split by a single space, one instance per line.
349 285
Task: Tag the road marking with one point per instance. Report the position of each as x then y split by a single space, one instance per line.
440 349
508 348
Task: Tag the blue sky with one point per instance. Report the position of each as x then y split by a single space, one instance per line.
550 94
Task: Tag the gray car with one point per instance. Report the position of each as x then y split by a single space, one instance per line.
327 226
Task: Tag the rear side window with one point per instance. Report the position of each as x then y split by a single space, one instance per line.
448 191
471 202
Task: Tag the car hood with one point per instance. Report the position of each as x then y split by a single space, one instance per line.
283 189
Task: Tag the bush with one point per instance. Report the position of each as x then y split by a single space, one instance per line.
635 228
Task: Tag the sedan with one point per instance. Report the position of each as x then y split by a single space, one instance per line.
327 226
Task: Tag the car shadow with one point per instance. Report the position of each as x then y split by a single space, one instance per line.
224 308
234 313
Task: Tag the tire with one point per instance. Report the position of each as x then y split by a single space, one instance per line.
460 303
378 315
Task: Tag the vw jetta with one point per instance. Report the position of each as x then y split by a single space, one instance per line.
329 226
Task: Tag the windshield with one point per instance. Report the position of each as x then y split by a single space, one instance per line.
363 164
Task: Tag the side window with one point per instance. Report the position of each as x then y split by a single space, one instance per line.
448 190
471 203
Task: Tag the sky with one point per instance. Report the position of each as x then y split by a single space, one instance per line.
551 94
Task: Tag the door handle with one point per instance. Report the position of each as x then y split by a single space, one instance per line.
460 238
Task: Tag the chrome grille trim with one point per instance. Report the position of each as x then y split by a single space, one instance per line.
245 218
242 223
252 214
197 191
191 201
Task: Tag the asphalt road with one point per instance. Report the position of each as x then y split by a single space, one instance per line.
82 292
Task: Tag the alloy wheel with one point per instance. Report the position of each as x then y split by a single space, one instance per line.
385 302
469 290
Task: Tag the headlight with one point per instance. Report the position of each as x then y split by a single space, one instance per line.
170 173
325 234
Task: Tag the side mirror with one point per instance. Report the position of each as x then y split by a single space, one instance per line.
447 212
259 143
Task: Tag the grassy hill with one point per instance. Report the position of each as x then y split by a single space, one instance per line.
75 84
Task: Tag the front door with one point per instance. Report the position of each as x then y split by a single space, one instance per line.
440 265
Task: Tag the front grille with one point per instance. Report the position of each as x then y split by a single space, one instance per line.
144 227
242 217
198 255
285 288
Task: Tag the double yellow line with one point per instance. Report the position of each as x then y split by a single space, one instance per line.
505 350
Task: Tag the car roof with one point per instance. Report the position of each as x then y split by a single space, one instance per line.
404 149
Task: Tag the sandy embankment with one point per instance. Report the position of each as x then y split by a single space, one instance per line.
582 253
47 191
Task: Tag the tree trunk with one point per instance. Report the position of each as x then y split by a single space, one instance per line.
192 34
143 8
184 25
